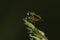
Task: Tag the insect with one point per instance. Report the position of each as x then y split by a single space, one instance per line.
34 32
33 17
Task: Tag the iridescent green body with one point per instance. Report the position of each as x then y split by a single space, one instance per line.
37 34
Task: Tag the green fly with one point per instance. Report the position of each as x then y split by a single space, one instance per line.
37 34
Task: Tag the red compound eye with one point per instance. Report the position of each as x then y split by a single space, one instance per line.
35 18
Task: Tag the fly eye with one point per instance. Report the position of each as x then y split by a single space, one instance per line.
36 17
